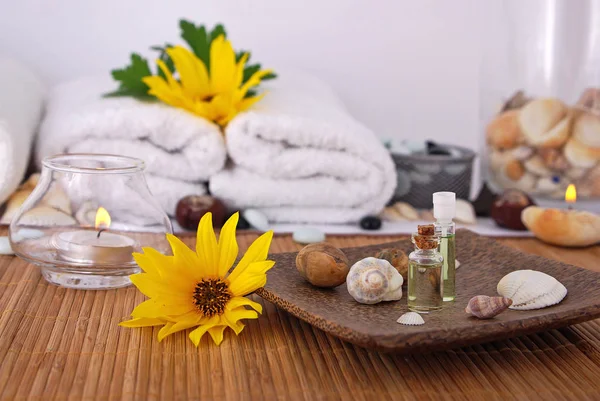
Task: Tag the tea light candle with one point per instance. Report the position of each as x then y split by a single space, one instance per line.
563 227
99 247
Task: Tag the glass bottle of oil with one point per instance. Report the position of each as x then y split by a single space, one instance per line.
425 284
444 210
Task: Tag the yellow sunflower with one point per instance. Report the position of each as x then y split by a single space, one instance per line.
217 96
197 289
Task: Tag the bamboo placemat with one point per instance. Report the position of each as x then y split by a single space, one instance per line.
60 344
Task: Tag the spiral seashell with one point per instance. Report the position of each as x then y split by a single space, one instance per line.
485 307
411 319
530 289
372 280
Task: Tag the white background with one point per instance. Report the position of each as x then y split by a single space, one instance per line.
404 68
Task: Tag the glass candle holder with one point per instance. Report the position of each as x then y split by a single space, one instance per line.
540 98
85 218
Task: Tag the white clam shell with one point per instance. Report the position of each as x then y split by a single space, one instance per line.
411 319
530 289
372 280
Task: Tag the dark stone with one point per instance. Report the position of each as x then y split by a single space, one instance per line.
506 209
483 203
370 223
191 208
439 151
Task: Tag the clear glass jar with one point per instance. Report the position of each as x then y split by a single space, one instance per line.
540 102
425 280
85 218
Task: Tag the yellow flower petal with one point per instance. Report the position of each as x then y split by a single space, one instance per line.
253 81
152 287
239 73
186 263
142 322
228 247
236 326
206 247
192 72
197 334
179 326
236 302
248 102
241 313
248 282
216 333
257 252
157 308
222 66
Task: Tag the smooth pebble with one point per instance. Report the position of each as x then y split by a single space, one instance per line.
256 219
370 223
308 235
5 248
26 233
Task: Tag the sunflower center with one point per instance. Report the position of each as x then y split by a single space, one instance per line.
211 296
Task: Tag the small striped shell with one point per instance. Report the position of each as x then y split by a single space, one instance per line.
411 319
485 307
372 280
530 289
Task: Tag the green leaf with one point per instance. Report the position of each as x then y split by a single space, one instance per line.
197 39
217 31
165 58
251 93
238 55
130 78
249 71
270 75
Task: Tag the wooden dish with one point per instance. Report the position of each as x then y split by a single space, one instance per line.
483 263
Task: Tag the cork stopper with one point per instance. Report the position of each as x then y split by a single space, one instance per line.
425 237
426 229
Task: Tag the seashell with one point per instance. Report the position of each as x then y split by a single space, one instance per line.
391 214
545 123
15 201
465 212
396 257
406 211
530 289
322 265
562 227
374 280
554 159
503 132
522 153
536 166
427 215
411 319
57 199
484 307
46 216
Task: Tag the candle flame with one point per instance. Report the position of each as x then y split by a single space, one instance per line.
102 218
571 194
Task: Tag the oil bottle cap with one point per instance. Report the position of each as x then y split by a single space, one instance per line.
444 205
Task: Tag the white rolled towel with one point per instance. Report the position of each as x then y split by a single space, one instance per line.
21 106
181 150
300 157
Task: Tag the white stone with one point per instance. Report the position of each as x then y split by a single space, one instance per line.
308 235
5 248
256 219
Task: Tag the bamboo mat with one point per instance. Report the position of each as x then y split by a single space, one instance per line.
59 344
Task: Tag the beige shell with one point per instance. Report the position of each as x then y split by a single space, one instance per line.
531 289
562 227
411 319
545 122
46 216
484 307
465 212
503 132
372 280
406 210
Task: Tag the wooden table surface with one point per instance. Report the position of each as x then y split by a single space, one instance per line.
62 344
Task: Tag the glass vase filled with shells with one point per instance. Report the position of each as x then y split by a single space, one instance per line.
540 98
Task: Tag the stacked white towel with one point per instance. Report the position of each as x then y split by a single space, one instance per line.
181 150
300 157
21 105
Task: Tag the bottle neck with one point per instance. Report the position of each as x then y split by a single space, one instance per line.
425 252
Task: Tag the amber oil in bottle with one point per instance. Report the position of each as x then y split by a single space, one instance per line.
425 282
